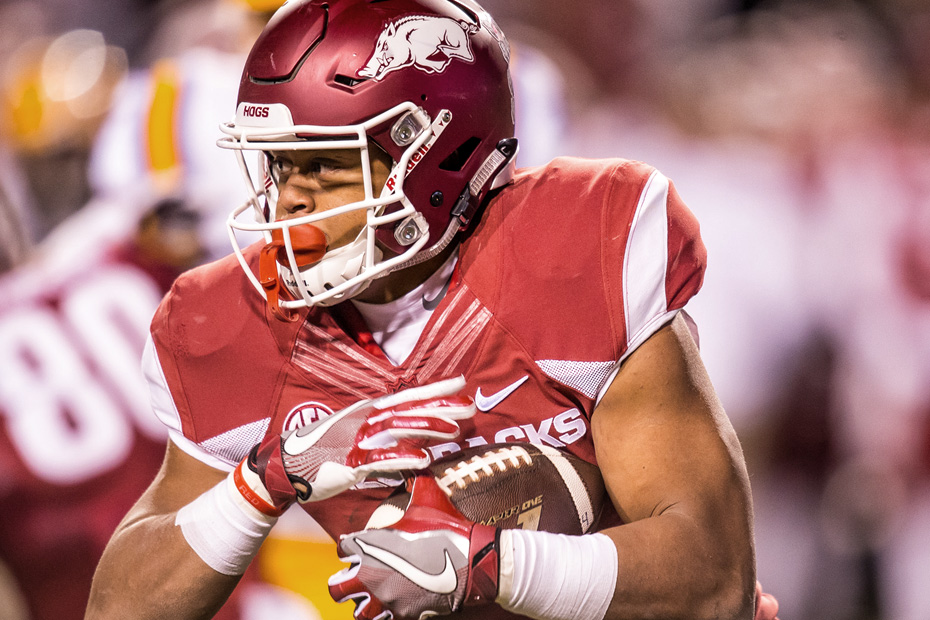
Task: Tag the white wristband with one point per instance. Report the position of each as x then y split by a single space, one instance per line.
556 577
223 529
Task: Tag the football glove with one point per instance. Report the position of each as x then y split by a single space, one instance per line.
433 561
385 436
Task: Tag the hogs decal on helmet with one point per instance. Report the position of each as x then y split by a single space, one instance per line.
425 81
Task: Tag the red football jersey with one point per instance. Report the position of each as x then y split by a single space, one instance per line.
570 268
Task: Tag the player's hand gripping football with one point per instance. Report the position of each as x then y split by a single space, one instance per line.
433 561
381 436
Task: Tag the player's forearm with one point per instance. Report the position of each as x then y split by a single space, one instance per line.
148 570
672 567
184 563
662 567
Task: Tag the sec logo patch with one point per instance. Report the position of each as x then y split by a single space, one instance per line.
304 414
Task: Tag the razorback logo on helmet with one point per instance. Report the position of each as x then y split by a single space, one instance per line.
426 42
304 414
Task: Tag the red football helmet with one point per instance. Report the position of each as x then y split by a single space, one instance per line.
427 81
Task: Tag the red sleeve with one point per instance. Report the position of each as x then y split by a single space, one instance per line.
222 363
581 260
687 256
654 262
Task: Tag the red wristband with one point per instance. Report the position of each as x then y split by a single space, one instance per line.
251 496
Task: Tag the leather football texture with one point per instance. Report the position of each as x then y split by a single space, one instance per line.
513 486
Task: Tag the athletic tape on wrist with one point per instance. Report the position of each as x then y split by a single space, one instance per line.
223 528
557 577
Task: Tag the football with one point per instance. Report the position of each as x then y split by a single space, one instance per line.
514 485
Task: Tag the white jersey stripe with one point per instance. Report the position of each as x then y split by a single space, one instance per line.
417 356
334 370
162 402
645 263
455 340
349 351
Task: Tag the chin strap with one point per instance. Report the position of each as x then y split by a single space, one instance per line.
497 170
309 244
421 257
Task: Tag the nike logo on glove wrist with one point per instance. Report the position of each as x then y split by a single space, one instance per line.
486 403
443 582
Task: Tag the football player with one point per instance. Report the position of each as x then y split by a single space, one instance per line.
415 293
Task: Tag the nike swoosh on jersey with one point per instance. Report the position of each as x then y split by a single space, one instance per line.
486 403
442 583
432 304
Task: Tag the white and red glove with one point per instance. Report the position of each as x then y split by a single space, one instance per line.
433 561
385 435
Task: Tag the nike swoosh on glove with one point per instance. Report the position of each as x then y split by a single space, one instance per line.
433 561
385 435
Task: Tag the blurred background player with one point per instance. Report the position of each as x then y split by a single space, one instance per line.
56 91
76 437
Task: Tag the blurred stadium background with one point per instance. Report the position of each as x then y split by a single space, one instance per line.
798 132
